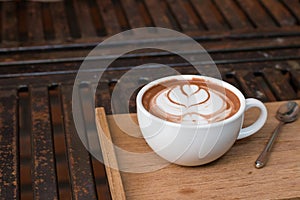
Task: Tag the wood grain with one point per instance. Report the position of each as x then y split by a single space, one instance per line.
113 175
43 170
9 174
232 176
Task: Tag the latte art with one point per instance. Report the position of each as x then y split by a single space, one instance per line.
190 102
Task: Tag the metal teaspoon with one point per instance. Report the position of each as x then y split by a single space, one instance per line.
286 113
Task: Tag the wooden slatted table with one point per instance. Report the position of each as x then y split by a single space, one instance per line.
254 43
69 21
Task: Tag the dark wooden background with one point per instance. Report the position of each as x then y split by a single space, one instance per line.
255 44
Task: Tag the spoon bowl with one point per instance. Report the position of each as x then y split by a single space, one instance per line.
288 112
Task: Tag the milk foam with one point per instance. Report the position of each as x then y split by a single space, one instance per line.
191 104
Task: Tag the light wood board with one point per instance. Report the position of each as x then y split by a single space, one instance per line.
233 176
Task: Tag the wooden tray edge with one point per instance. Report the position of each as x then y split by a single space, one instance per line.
109 157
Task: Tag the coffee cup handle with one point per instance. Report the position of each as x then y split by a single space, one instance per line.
258 124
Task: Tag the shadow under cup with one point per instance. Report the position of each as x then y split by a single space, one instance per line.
190 142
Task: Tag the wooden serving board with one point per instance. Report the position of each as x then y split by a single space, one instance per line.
232 176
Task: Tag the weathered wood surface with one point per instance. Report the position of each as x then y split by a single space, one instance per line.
9 182
30 23
46 99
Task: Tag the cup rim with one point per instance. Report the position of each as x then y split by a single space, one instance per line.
225 84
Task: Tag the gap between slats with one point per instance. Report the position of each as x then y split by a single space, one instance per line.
59 142
25 154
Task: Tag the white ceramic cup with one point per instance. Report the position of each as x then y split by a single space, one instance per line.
195 144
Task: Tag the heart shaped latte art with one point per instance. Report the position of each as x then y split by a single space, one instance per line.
191 102
187 95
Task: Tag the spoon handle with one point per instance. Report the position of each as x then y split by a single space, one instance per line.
264 156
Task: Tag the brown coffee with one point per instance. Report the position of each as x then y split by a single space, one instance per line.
195 101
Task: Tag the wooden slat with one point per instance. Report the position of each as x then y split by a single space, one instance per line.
97 18
9 175
279 84
144 12
103 95
235 17
133 13
83 185
47 20
22 21
247 82
102 185
120 14
192 11
118 101
275 53
295 77
112 83
158 13
251 46
84 18
256 13
43 171
88 112
72 19
279 12
109 16
265 94
34 20
294 8
253 86
210 15
1 23
230 78
60 23
256 45
183 17
9 21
